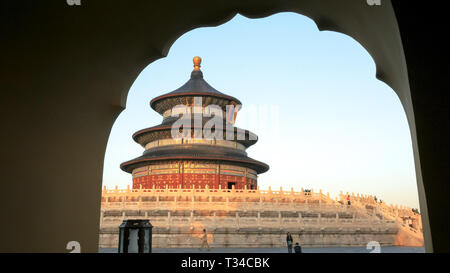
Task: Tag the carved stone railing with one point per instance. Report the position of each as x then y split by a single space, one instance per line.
258 200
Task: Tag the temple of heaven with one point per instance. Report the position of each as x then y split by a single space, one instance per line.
197 144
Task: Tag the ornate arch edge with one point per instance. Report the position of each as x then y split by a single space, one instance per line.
393 73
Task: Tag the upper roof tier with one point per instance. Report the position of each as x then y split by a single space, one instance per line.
196 86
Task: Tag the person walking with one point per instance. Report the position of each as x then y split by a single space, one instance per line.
205 239
297 248
289 242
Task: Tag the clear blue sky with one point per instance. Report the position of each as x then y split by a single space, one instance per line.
323 119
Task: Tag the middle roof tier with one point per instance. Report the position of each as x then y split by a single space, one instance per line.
194 128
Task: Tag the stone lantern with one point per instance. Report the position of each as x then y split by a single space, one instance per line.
135 236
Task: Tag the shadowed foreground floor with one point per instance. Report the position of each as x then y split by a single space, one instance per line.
386 249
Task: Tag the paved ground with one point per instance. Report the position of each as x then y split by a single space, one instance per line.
387 249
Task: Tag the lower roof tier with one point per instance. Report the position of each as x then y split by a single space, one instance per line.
195 152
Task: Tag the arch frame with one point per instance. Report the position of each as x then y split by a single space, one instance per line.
66 76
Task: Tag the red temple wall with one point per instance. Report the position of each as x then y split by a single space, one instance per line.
188 180
198 174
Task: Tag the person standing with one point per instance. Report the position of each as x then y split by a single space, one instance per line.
289 242
205 239
348 200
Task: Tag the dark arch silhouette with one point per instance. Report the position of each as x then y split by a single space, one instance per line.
66 71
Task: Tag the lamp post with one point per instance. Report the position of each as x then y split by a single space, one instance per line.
135 236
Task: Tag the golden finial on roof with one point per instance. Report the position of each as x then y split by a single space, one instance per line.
197 61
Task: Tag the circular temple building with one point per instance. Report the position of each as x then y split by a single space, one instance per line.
197 144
